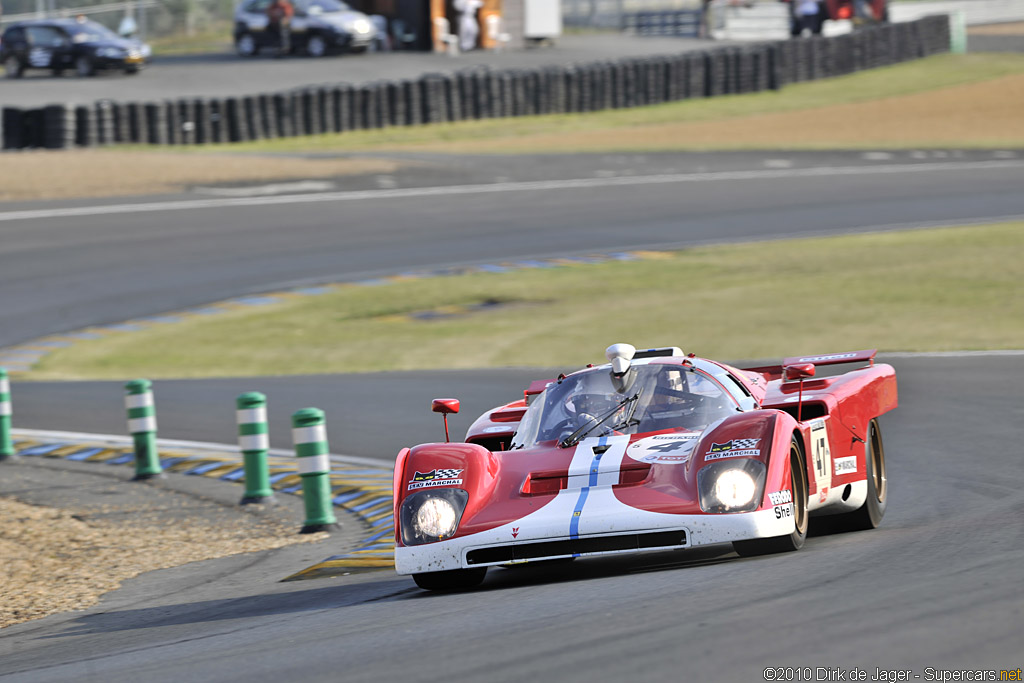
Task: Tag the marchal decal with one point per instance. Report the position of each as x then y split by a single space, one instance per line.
821 359
734 448
426 480
845 465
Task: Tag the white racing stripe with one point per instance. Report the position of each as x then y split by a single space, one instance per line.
5 408
527 186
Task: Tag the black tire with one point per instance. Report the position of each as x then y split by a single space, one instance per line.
453 580
798 486
246 45
58 73
84 67
869 515
13 68
316 46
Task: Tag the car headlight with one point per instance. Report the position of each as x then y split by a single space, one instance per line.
731 486
361 26
734 488
111 52
429 516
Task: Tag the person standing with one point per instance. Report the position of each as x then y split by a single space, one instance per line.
469 27
279 23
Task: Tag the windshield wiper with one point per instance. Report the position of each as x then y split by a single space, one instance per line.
596 422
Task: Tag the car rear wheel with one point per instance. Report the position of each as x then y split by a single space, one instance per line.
869 515
455 579
13 67
316 46
84 66
798 487
245 45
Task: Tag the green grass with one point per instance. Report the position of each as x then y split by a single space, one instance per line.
217 38
937 72
935 290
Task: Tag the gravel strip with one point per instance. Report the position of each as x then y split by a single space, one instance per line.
102 531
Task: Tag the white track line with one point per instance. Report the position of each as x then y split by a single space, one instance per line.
532 186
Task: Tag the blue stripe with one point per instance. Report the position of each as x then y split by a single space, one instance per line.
43 450
86 453
203 469
372 503
121 460
382 534
577 512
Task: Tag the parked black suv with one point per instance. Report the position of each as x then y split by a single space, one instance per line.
63 44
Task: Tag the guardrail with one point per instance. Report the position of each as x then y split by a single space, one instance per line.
474 94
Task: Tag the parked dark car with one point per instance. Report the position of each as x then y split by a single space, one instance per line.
64 44
319 27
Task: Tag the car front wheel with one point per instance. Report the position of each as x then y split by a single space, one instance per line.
798 487
13 67
245 45
84 66
316 46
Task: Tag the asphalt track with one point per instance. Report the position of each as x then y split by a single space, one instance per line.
936 586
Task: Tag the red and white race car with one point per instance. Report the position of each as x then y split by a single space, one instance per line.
654 450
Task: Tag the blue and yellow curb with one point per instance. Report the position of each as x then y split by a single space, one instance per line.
358 488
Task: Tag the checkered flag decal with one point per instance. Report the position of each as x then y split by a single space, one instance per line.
744 444
447 474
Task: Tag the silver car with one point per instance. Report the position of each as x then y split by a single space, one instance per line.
319 27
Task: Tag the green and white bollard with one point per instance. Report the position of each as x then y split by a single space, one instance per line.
142 426
6 444
310 438
254 442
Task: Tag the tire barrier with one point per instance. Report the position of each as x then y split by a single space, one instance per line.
138 401
309 435
684 23
253 439
6 444
477 93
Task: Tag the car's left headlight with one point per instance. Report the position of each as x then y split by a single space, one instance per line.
429 516
361 26
731 485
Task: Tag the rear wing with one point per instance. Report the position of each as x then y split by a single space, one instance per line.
771 372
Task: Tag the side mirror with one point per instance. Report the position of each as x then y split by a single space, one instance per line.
445 406
801 371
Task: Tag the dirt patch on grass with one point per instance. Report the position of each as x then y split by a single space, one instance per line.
1015 28
41 174
57 560
986 114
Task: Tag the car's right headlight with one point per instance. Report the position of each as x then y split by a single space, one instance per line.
430 516
731 485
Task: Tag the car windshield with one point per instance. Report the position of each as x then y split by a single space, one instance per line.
90 32
654 397
322 6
